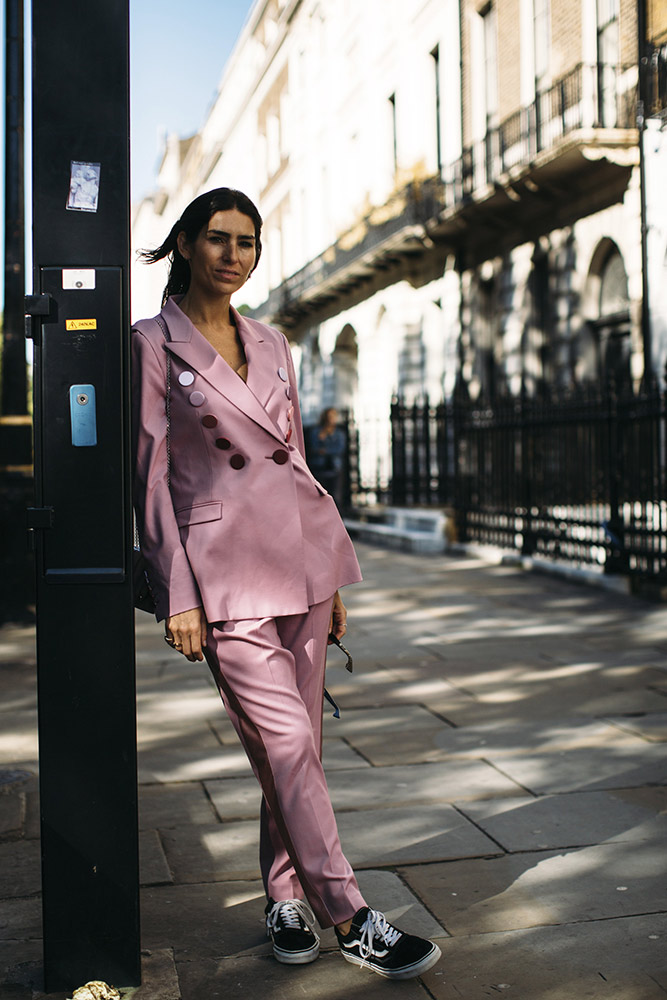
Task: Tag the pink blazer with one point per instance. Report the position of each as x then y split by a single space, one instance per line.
245 530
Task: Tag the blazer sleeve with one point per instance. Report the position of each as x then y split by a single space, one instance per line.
171 578
297 424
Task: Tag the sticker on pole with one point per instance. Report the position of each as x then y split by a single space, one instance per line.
80 324
84 186
77 278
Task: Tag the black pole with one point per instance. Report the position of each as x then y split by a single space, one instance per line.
82 515
14 380
643 108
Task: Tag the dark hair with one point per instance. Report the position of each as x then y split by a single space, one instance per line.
192 221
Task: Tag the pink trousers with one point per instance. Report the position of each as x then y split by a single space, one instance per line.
270 673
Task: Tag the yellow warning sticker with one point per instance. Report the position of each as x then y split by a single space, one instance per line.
81 324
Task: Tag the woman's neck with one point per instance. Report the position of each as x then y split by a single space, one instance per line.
214 313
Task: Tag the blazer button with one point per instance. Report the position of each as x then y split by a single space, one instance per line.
209 420
223 443
280 456
186 378
197 398
237 461
283 374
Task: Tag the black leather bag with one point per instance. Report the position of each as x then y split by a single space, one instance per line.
143 595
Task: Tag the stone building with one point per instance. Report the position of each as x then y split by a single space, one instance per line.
451 194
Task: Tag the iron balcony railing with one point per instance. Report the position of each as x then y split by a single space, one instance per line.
598 96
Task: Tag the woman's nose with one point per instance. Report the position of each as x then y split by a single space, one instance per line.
230 251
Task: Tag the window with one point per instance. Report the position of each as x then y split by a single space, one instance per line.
394 132
608 52
490 65
541 43
438 134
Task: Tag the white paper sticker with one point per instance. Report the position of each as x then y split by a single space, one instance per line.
79 278
84 186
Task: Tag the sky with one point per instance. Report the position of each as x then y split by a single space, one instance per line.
178 50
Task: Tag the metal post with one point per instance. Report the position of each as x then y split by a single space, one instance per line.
643 108
82 515
14 380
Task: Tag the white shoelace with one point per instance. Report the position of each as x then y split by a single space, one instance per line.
293 913
374 926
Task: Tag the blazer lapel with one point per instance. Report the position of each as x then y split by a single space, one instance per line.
262 369
194 349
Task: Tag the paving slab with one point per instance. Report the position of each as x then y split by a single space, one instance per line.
167 764
20 868
573 820
620 765
410 836
153 867
197 736
205 920
261 976
166 806
18 736
417 783
527 890
24 978
12 812
389 720
159 978
649 727
377 837
20 919
226 919
377 788
431 743
622 959
224 852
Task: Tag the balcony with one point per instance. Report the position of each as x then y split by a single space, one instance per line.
387 244
567 154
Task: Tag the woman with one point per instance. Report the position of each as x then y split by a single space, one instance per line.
246 553
326 447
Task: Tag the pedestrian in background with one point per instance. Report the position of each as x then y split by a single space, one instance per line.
246 552
326 450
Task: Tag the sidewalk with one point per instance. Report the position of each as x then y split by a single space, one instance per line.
500 779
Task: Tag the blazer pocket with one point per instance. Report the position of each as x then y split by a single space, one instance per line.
199 513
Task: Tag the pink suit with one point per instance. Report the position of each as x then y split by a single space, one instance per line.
245 531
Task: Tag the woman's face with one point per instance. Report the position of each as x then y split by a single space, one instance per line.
223 255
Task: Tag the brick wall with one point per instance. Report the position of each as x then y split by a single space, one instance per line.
509 57
628 30
566 30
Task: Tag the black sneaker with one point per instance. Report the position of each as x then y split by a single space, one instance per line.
374 943
291 926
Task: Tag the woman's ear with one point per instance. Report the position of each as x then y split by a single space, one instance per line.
182 244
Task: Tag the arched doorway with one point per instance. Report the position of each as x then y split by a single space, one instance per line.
344 362
608 309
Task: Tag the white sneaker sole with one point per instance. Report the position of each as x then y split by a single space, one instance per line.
407 972
297 957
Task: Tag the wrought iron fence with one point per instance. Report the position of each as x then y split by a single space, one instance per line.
577 475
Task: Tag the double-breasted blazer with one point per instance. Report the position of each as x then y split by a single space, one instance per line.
238 524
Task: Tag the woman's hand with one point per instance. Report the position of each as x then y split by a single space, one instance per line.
338 620
186 632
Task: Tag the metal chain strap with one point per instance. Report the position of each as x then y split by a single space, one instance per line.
167 401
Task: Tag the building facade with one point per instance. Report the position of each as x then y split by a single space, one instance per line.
451 192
